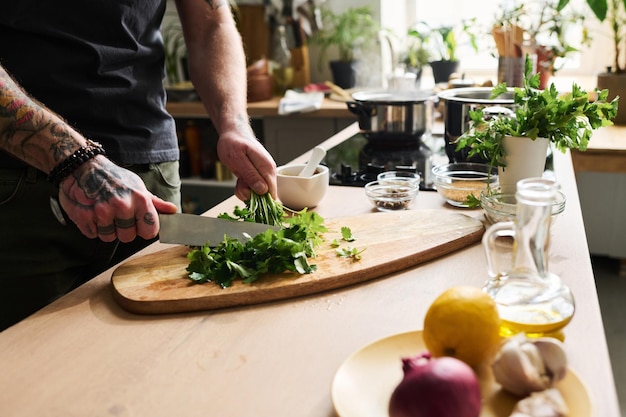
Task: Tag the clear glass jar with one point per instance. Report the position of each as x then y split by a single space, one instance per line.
282 69
530 299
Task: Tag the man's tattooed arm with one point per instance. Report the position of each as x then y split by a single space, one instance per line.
31 132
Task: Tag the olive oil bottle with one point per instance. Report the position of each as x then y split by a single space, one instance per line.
530 299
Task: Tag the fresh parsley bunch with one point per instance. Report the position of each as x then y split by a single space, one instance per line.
287 249
259 209
566 120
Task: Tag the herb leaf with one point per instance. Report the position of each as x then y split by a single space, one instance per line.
346 234
350 252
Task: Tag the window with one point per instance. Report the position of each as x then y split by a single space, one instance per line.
400 14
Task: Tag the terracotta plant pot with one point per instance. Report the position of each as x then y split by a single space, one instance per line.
616 84
524 158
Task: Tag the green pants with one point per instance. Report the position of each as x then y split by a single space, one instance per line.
42 259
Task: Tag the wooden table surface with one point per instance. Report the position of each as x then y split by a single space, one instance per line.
83 355
606 152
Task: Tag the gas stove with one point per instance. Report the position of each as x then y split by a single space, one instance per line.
357 160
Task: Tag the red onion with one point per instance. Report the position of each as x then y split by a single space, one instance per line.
436 387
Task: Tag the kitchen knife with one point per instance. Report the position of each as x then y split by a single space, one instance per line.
195 230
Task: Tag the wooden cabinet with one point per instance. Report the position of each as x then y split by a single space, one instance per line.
601 178
603 203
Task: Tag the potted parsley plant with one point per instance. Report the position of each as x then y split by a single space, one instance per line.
541 117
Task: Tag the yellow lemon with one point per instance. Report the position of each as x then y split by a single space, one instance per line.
463 322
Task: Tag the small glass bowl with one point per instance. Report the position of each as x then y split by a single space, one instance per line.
502 207
399 177
455 182
391 196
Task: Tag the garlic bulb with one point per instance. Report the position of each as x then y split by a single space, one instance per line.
524 365
548 403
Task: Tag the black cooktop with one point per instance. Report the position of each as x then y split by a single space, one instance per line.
357 160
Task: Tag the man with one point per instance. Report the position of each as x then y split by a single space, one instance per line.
88 155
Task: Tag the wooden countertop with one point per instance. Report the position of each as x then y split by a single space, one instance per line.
85 356
606 152
267 108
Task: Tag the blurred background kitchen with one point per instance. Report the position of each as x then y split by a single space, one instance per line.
298 46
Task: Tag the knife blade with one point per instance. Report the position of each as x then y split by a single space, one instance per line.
196 230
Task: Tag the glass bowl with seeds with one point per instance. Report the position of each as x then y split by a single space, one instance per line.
391 196
461 182
503 207
399 177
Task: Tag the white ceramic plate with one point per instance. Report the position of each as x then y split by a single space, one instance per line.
364 382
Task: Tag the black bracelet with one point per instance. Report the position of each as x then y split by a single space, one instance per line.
79 157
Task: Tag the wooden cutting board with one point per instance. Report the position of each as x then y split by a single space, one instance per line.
157 283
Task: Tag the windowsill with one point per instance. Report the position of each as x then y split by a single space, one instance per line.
561 81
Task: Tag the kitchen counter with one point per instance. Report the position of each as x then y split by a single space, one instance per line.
606 152
85 356
266 108
601 178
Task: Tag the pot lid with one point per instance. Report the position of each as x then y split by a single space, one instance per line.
476 95
394 97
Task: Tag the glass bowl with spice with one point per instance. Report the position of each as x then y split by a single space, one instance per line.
392 195
400 177
457 182
500 207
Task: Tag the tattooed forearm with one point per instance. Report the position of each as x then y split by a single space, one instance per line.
214 4
31 132
65 143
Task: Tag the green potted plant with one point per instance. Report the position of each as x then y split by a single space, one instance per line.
541 117
416 56
546 24
347 32
614 79
442 43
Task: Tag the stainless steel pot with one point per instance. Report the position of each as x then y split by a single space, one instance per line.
393 115
458 102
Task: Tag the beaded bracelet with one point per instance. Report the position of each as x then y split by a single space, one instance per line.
79 157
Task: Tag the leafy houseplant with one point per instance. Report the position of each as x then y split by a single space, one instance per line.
176 66
417 55
565 120
546 24
347 32
442 43
175 51
613 11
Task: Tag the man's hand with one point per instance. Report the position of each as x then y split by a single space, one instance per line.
250 162
109 202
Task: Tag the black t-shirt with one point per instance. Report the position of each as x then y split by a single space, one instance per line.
98 64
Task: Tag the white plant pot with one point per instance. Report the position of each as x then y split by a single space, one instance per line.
524 158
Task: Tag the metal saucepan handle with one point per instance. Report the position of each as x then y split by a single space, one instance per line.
360 109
